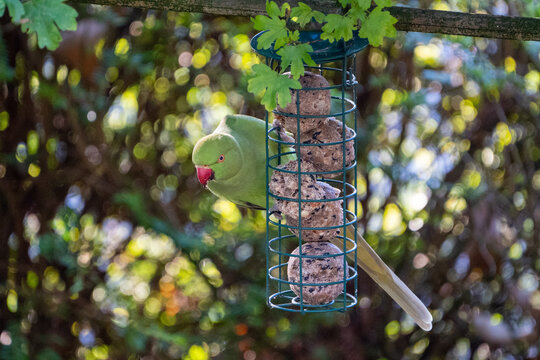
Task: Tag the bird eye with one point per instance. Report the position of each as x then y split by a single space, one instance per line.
221 158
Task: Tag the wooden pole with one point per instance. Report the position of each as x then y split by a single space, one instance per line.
409 19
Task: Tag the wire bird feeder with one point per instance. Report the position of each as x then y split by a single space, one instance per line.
298 280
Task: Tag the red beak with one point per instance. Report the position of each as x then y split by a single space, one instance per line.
204 174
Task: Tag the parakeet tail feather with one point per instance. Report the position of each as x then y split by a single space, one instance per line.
372 264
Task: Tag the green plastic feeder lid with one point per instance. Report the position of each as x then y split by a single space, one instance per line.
323 50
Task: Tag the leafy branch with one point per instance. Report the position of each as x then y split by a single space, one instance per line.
45 18
280 32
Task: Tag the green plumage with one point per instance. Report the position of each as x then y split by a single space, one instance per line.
238 178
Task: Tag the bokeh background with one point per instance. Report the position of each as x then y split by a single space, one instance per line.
110 248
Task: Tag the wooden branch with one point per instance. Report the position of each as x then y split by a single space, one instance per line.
409 19
455 23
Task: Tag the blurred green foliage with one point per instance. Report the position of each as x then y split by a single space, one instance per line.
110 249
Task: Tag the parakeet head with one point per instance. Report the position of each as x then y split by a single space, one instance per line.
216 157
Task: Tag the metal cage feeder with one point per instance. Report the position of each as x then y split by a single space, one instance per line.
337 60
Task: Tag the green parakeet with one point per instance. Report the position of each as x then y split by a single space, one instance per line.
230 162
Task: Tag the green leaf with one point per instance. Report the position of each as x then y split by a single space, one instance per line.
357 14
344 3
383 3
358 10
272 85
318 16
378 25
338 27
295 56
303 14
15 8
276 28
272 9
276 31
294 35
46 18
284 9
364 4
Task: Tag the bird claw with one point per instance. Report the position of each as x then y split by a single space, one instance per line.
281 132
277 213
